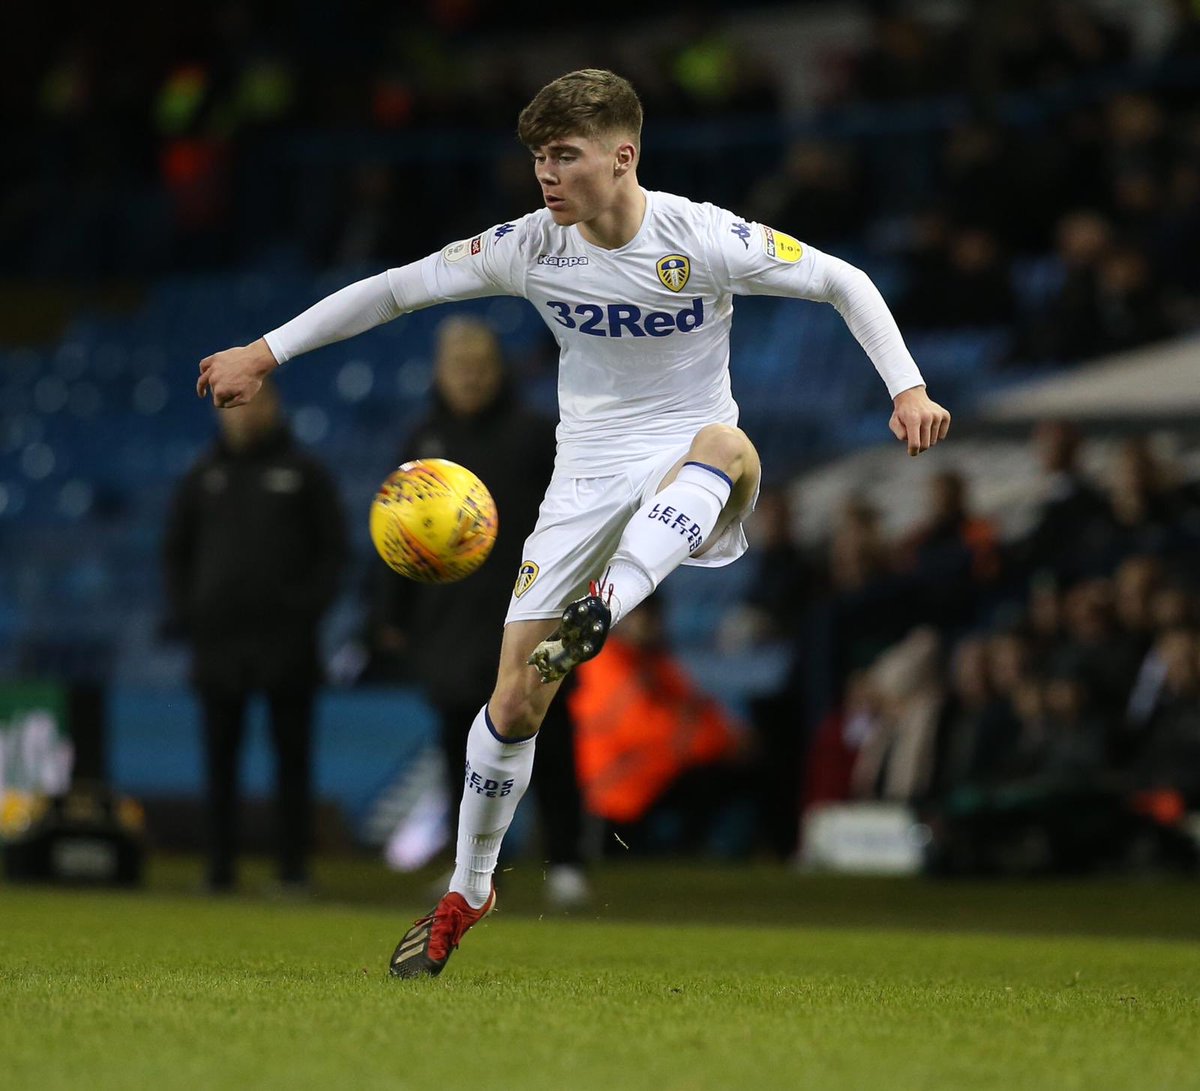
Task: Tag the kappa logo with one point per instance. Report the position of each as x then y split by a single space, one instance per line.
567 262
673 271
781 247
742 231
503 230
526 575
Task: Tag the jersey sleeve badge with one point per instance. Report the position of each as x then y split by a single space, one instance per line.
781 247
456 251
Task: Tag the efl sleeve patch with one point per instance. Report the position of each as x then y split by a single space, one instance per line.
781 247
456 251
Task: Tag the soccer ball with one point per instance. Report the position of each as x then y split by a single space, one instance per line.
433 521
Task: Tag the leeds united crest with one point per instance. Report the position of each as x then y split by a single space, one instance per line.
673 271
527 573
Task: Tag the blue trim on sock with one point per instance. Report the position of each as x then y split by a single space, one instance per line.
487 719
713 470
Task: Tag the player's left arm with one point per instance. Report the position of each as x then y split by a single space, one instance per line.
916 419
758 260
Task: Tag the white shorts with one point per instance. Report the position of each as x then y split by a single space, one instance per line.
579 525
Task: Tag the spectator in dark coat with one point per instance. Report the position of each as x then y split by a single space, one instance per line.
1069 536
953 554
254 548
1170 751
441 637
775 610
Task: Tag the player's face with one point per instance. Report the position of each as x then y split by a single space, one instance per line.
577 175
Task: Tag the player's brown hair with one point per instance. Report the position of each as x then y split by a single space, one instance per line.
591 102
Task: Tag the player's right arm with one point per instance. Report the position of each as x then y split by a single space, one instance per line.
469 269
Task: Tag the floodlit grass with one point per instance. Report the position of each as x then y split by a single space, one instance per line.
743 977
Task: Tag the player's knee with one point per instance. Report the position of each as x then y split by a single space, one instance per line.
727 448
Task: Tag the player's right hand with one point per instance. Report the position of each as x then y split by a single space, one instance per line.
235 375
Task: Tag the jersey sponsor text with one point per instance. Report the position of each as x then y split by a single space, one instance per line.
626 319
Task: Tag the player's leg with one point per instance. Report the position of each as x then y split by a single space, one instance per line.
730 450
693 503
579 524
696 500
500 749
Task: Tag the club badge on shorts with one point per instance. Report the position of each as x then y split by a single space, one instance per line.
673 271
526 574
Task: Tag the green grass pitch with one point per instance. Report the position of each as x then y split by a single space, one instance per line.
677 977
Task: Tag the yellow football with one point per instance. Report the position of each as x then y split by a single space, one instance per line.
433 521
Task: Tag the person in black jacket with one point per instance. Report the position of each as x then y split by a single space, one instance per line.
254 549
1070 534
439 636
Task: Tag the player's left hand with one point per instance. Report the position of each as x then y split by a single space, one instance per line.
918 421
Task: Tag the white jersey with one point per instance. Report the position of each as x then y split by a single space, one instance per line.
643 330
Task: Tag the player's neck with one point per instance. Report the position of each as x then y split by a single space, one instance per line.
618 223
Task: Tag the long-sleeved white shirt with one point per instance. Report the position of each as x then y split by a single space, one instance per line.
643 330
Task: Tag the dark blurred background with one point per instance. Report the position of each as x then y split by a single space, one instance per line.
995 646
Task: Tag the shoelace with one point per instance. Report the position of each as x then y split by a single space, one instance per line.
450 919
597 588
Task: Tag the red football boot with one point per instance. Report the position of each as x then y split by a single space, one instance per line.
429 943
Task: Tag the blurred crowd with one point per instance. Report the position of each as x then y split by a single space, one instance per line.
1021 165
1044 684
1030 167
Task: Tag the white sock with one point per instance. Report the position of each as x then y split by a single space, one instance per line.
668 528
497 774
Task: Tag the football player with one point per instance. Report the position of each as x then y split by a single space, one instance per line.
652 470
